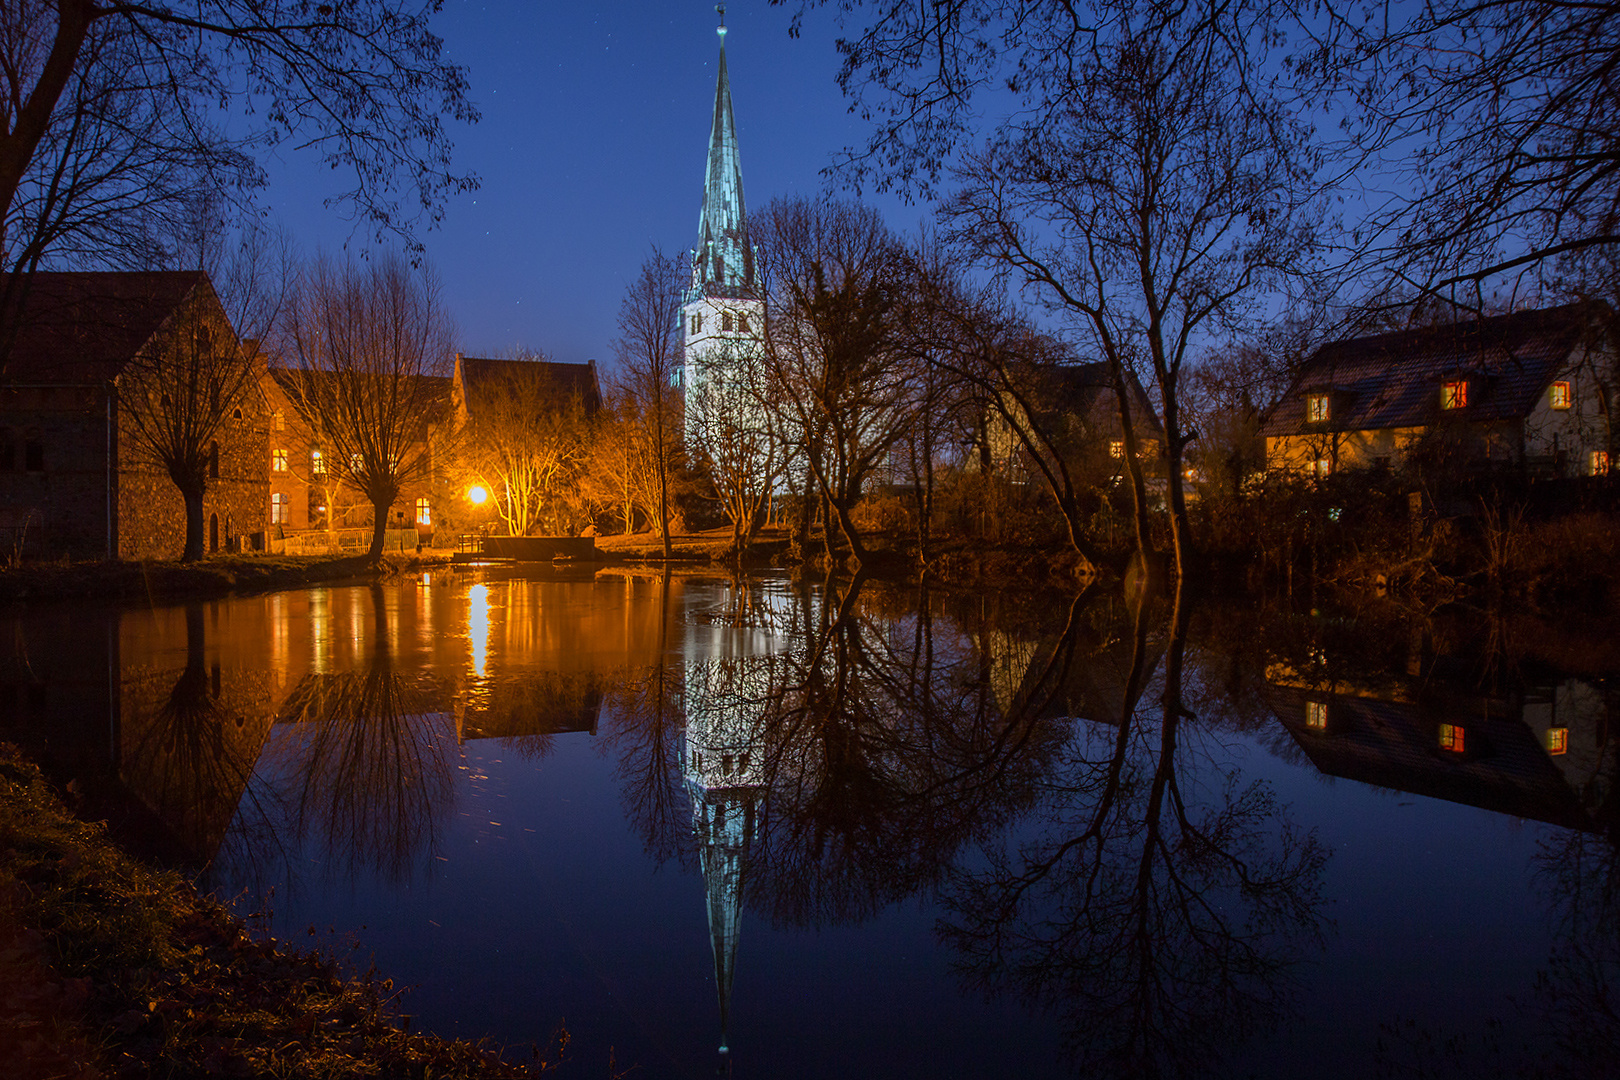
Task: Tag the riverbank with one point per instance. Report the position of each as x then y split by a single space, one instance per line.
155 580
111 969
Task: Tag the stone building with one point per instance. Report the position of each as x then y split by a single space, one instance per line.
80 384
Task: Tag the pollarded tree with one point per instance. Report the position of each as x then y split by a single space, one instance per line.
112 113
371 343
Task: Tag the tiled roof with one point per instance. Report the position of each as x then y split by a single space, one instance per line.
1393 380
1087 391
480 376
82 328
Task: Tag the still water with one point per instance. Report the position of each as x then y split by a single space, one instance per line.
876 830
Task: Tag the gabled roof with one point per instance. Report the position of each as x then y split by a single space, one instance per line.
1393 380
432 391
481 377
82 328
1086 391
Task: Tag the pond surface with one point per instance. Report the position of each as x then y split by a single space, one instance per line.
876 831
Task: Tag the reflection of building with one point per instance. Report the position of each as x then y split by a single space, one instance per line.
728 675
1540 752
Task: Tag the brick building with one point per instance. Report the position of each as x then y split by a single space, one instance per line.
76 391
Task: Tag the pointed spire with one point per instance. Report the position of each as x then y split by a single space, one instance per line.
723 263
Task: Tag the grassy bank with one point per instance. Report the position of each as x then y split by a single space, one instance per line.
111 969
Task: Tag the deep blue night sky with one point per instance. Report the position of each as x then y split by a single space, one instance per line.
592 148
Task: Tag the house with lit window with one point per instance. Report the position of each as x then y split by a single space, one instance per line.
310 507
84 405
1077 408
1525 390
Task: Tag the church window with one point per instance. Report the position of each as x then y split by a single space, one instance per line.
719 269
725 322
697 323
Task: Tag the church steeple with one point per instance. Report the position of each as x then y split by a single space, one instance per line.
723 264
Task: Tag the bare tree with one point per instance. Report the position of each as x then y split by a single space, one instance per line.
1143 174
846 391
110 116
529 439
177 394
650 357
738 437
368 341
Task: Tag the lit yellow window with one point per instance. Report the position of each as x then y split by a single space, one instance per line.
1322 467
278 461
1116 448
1558 740
278 421
1560 396
424 513
1452 738
1454 394
1316 715
1598 463
1317 408
317 463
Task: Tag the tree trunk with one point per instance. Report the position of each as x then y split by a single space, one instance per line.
193 497
379 529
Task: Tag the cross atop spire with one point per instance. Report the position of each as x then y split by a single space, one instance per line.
723 264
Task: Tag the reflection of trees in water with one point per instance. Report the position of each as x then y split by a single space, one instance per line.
1157 915
882 750
369 772
188 752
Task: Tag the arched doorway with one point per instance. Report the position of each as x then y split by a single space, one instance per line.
213 532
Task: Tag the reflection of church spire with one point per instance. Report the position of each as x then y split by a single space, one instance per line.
724 779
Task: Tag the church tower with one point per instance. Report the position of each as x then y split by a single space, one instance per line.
724 309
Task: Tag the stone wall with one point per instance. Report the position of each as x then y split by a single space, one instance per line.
54 475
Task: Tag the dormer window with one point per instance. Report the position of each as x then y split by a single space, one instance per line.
1558 740
1560 395
1318 408
1316 715
1454 394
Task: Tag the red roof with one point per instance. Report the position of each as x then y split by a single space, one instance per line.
82 328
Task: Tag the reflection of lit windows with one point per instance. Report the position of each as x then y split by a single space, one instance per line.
1316 408
1454 394
278 508
1598 463
1451 738
1558 740
317 463
1316 715
278 461
1559 396
424 512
